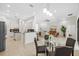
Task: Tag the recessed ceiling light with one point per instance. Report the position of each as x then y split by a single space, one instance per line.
8 5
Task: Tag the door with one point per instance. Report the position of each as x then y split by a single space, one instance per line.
2 36
78 31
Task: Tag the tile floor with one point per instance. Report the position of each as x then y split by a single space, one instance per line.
17 48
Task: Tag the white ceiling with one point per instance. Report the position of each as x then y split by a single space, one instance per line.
59 10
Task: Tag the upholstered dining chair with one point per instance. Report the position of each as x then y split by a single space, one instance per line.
71 42
39 49
61 51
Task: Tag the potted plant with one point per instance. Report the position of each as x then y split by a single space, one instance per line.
63 29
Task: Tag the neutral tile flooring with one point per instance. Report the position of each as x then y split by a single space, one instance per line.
17 48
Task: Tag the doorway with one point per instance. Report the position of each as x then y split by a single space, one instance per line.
78 31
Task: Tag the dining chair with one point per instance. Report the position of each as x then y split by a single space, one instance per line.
63 51
40 49
71 42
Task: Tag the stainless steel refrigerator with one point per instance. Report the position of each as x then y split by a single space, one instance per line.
2 36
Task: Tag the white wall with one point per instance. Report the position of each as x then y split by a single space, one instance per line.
72 29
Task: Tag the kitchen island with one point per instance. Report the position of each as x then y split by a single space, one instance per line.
29 37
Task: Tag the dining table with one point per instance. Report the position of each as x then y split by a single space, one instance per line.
54 42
